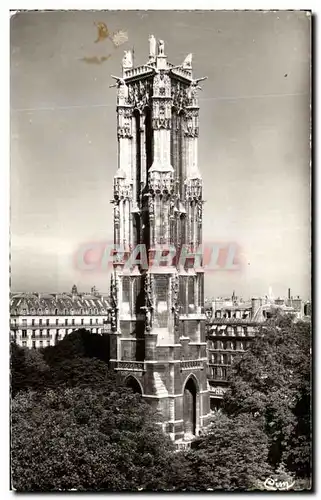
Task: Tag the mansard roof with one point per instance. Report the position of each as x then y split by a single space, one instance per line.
64 303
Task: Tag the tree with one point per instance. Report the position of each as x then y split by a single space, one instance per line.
28 369
80 343
85 439
232 455
83 372
272 381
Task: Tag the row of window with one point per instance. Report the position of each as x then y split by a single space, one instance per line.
230 331
217 373
58 311
66 321
236 314
227 345
45 333
221 359
42 343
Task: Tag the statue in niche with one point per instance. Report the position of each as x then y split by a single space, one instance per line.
192 90
162 120
176 317
146 97
122 90
162 83
116 214
131 95
141 88
149 291
189 129
148 317
199 211
136 92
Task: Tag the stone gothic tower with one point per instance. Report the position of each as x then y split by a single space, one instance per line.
158 321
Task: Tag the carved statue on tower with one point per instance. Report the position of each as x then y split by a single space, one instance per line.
121 86
192 90
161 48
127 62
152 47
187 64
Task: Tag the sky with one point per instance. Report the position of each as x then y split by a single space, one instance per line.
254 144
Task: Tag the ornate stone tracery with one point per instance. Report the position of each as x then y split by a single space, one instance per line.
151 208
161 114
200 212
139 94
193 190
124 128
150 291
179 96
161 182
122 189
116 214
114 301
162 85
191 122
175 290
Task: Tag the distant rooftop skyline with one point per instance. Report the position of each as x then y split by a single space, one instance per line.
254 145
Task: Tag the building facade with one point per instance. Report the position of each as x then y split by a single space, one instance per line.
231 327
158 323
40 320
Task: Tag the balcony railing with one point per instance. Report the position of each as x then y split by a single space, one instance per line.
223 321
216 379
40 337
54 326
215 334
222 350
219 365
191 364
133 366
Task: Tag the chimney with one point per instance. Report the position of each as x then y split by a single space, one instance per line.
256 303
289 293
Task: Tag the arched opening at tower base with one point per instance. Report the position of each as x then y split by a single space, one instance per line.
134 385
189 408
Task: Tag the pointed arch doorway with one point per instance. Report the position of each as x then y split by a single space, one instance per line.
134 385
190 403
